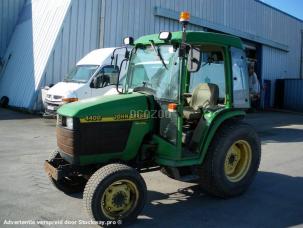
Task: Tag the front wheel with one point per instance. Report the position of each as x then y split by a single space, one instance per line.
115 192
232 160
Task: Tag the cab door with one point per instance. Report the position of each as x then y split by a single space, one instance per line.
240 79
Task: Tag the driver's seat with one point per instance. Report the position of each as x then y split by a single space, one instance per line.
205 95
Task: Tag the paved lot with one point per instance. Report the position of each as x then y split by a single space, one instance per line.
274 200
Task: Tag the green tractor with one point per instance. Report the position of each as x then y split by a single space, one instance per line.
180 110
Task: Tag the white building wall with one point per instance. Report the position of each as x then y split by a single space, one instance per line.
29 50
78 36
9 11
47 42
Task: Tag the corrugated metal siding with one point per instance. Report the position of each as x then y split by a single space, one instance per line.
80 33
249 16
135 18
30 48
293 94
274 66
302 52
9 11
78 36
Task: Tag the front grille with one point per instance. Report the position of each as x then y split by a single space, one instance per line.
67 140
92 138
56 97
53 103
100 138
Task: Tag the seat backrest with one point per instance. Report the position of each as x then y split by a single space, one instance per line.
205 95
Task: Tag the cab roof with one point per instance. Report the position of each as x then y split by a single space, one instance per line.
196 37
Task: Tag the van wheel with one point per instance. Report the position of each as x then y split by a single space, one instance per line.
4 101
116 193
232 161
67 185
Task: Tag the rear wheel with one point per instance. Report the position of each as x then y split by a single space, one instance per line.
115 192
68 184
232 160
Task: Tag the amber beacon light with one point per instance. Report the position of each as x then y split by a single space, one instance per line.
184 16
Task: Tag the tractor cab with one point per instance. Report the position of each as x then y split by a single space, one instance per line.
192 78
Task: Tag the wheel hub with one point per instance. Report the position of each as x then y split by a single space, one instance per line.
237 161
119 199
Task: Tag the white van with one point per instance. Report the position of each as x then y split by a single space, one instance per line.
92 76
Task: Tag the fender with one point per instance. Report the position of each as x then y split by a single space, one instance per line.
213 124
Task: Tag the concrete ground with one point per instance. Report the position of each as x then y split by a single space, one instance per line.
275 199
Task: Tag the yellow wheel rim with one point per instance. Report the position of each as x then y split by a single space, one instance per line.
119 199
237 161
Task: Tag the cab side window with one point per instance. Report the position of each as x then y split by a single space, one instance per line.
211 71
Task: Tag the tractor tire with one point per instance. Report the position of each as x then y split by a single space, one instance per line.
115 192
232 160
67 185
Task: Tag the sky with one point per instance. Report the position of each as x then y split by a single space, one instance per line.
292 7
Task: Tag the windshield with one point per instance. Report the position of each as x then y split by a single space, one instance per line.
81 73
147 72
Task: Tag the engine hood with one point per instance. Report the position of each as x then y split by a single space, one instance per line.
64 88
106 106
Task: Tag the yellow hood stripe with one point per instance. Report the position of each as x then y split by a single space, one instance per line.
116 118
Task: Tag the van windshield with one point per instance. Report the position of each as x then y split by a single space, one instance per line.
81 73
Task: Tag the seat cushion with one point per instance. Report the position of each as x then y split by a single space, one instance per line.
191 114
205 95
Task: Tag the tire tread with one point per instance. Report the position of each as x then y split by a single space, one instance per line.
208 178
99 176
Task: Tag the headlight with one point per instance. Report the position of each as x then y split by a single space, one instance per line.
69 123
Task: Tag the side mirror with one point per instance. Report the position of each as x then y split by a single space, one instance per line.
194 59
128 40
94 82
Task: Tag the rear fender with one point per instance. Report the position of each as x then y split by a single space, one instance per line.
213 124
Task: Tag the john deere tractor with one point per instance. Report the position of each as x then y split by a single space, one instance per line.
180 109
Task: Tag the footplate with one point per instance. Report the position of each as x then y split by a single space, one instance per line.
58 172
50 170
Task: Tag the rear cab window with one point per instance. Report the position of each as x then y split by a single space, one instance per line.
212 70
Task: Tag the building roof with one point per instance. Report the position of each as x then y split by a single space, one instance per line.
195 37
